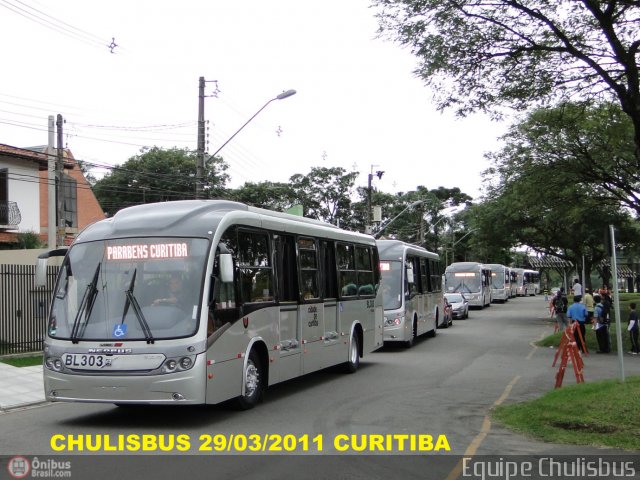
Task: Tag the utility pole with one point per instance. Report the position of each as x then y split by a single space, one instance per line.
51 185
200 150
369 226
59 185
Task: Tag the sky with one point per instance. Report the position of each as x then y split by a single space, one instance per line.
358 104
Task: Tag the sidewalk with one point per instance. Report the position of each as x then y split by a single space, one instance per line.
20 386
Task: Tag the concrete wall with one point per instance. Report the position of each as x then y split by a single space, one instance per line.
26 257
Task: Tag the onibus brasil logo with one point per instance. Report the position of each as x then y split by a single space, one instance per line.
19 467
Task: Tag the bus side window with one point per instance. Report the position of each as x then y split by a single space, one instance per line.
347 271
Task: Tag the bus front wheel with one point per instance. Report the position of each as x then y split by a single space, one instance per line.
252 379
354 354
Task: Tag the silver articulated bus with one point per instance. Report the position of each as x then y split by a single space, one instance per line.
472 279
500 282
412 291
200 301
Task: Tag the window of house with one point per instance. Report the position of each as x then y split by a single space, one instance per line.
70 191
4 196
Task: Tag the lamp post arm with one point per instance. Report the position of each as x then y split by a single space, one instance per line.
382 229
281 96
462 237
240 129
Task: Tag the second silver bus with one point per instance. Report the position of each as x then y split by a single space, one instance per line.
412 291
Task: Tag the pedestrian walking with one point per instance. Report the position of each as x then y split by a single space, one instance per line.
601 324
577 312
633 329
590 304
577 290
560 304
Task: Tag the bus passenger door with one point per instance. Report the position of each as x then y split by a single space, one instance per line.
329 282
311 309
289 361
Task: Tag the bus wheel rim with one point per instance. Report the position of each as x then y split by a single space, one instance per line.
251 378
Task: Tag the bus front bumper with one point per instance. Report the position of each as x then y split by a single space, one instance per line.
185 387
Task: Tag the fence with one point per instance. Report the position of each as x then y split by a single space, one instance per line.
23 308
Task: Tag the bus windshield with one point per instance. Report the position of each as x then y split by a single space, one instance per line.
391 286
497 279
463 282
129 289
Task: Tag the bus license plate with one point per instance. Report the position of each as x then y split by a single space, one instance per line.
86 362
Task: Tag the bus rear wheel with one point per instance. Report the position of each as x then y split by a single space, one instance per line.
252 379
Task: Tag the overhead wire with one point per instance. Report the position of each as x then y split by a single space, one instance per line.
53 23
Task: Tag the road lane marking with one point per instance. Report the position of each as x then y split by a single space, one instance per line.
486 426
535 347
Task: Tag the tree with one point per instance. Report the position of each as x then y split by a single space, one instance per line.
271 195
483 55
537 199
591 144
325 194
424 222
158 175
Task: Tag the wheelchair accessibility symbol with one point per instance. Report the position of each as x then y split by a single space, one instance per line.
119 330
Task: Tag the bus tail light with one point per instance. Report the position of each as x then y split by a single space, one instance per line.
393 321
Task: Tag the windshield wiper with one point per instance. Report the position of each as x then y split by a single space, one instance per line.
132 301
88 299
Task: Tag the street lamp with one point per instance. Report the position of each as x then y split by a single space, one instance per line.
281 96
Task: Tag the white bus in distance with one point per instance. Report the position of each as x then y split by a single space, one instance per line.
412 291
500 282
201 301
472 279
528 282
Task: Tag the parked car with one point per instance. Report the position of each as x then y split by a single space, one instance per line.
447 317
459 305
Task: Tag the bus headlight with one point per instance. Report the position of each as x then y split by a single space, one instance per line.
53 363
169 366
172 365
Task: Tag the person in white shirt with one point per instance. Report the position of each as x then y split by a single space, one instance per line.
577 290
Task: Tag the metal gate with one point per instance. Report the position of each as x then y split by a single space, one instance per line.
23 308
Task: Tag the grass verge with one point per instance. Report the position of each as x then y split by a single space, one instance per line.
23 361
601 413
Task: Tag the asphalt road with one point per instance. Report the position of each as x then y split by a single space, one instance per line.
443 387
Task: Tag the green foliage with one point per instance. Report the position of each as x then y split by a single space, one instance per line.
29 240
271 195
325 194
29 361
484 56
558 181
159 175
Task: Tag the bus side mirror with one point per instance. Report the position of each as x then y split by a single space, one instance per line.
41 272
226 267
41 266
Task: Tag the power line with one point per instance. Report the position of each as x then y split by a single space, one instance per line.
54 24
